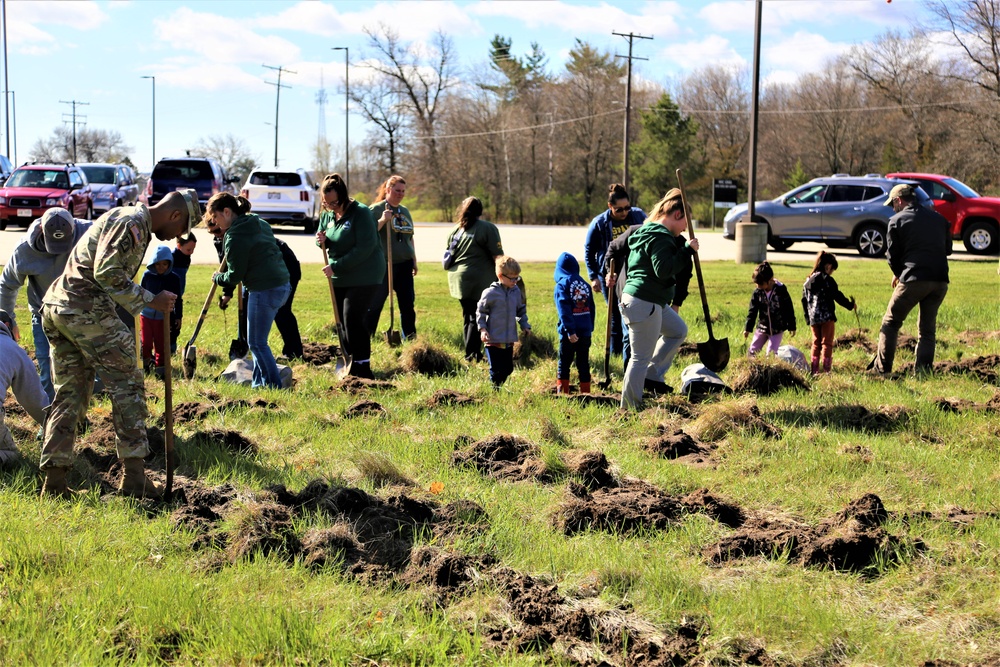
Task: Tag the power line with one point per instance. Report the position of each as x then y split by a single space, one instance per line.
75 105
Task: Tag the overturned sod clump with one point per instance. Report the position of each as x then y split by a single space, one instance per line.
960 405
634 505
720 419
680 446
365 409
592 468
984 368
100 433
426 359
234 441
446 571
530 347
193 411
261 527
443 397
335 546
765 376
596 399
853 540
379 470
319 354
854 417
503 456
355 385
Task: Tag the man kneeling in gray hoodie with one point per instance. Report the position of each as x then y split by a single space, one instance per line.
18 373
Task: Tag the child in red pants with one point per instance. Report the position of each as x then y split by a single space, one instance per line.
159 276
819 296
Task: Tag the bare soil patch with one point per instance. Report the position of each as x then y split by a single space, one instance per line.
682 447
355 385
765 377
194 411
443 397
365 409
718 420
445 571
319 354
605 400
234 441
854 417
977 337
854 540
503 456
855 339
984 368
426 359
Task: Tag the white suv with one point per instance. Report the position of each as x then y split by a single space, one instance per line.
284 197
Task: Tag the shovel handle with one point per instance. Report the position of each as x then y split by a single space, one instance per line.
208 303
697 262
388 248
168 410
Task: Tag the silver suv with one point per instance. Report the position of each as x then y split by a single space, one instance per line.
838 210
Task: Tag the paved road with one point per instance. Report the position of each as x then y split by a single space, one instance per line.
526 243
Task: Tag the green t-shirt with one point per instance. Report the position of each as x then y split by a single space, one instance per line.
352 247
474 269
401 232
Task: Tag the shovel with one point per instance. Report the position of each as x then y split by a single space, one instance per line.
713 353
238 347
343 359
168 412
391 335
605 384
856 316
189 360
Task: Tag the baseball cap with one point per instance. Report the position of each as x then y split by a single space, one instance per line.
59 230
193 207
901 190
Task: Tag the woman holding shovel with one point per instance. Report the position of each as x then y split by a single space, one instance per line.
253 258
402 256
658 256
356 266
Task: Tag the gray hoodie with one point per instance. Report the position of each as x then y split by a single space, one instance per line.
29 262
18 373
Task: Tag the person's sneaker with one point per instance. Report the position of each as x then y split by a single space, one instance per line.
656 388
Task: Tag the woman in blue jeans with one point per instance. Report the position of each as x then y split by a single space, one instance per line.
252 258
658 256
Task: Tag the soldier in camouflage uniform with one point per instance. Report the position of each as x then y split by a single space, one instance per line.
78 316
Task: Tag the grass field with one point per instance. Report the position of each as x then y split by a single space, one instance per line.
442 564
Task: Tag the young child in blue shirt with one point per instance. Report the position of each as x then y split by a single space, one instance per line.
500 309
159 276
574 300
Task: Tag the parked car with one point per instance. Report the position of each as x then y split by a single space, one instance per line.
32 189
202 174
5 169
974 219
111 184
839 210
284 197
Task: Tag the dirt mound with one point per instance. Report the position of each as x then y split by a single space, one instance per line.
592 468
234 441
193 411
634 505
365 409
503 456
532 346
856 339
854 539
13 408
261 527
906 342
356 385
687 349
680 446
318 354
856 417
443 397
596 399
960 405
446 571
765 377
100 434
704 502
426 359
984 368
332 546
720 419
971 338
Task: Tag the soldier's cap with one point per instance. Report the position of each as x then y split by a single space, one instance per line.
59 231
904 190
193 208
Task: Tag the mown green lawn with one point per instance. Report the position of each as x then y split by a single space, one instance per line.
103 580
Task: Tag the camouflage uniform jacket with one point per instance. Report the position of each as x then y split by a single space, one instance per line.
102 266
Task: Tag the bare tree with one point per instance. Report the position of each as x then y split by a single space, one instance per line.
719 99
92 145
381 103
231 152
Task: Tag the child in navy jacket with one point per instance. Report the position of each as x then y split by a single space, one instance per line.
500 309
820 293
575 306
159 276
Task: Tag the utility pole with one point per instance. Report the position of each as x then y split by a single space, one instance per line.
751 215
277 86
347 110
6 83
628 98
75 105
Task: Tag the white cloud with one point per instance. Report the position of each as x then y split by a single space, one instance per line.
222 40
190 75
802 52
738 15
713 50
27 22
656 19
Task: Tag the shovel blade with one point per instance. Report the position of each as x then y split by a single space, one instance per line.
343 367
238 349
714 354
393 339
189 362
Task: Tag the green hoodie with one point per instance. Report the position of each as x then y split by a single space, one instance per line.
352 246
252 256
656 257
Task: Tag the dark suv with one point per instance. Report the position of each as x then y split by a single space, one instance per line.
202 174
32 189
839 210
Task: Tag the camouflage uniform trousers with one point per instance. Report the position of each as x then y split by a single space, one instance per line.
82 345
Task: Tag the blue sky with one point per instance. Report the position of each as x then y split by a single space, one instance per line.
207 56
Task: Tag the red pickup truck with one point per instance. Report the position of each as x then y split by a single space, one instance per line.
974 219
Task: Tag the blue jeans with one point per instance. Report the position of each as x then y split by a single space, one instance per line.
42 356
262 306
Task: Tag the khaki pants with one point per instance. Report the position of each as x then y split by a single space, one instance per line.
928 295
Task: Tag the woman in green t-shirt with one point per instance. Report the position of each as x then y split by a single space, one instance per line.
389 210
476 246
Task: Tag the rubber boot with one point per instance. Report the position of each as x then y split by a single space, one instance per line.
815 365
135 483
584 387
827 364
562 386
55 485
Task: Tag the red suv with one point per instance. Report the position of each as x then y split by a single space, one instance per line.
32 189
974 219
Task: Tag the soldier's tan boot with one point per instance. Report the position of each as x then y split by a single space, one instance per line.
135 483
55 485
